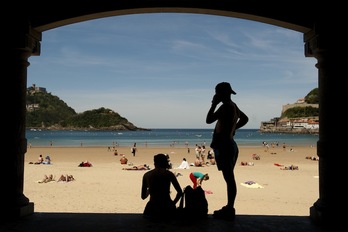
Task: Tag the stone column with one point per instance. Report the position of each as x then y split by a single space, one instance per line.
329 48
23 42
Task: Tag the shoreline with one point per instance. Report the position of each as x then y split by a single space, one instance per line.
162 146
161 138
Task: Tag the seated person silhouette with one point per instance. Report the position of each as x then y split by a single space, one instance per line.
156 184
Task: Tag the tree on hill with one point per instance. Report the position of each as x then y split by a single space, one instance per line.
44 110
301 112
312 97
304 111
99 118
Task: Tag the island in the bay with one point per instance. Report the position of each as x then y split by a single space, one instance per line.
48 112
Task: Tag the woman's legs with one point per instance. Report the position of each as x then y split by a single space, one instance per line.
231 187
228 211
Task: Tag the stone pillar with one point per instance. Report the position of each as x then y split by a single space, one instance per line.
329 48
23 42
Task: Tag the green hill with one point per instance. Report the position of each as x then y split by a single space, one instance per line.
304 111
47 111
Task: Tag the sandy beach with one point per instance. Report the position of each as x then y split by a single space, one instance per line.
106 188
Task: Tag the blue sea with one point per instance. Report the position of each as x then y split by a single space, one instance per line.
159 138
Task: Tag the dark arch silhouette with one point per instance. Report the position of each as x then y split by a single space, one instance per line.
321 26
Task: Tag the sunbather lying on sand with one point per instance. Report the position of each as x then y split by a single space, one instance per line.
255 156
66 178
85 164
140 167
244 163
47 179
291 167
312 157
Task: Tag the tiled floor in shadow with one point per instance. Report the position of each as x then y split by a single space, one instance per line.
100 222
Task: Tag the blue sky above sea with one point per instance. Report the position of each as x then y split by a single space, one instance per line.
159 70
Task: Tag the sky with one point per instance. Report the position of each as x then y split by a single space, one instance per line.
159 70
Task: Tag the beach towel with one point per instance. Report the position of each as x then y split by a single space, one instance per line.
45 181
251 184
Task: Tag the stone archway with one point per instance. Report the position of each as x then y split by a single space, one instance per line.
27 24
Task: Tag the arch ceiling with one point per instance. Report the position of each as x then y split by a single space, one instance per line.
55 14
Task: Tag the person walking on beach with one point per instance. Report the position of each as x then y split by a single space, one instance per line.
197 151
134 149
203 154
156 183
228 119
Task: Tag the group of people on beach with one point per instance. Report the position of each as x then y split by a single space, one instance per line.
200 153
41 160
156 182
200 156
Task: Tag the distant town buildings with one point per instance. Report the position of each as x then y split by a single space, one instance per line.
293 125
34 89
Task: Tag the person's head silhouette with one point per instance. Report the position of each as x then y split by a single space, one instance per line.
161 161
224 88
